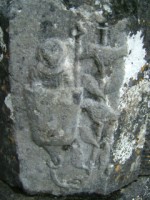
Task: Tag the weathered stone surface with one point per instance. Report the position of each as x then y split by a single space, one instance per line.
138 190
78 113
9 167
14 194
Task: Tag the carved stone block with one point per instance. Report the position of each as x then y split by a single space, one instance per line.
73 130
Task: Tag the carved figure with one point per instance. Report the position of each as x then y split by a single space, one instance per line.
56 108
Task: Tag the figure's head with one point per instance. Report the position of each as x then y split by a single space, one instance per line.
52 54
55 63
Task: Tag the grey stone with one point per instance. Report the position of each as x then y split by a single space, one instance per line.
73 132
138 190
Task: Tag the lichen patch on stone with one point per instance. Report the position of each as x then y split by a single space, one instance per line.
135 58
124 148
141 137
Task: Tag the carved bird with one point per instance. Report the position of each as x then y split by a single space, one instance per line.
98 112
87 136
91 85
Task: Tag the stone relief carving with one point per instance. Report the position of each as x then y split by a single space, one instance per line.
68 79
67 103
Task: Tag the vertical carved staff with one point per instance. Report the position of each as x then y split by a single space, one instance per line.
77 33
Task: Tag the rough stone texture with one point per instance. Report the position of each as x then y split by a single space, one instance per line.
8 158
4 5
145 25
78 124
138 190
